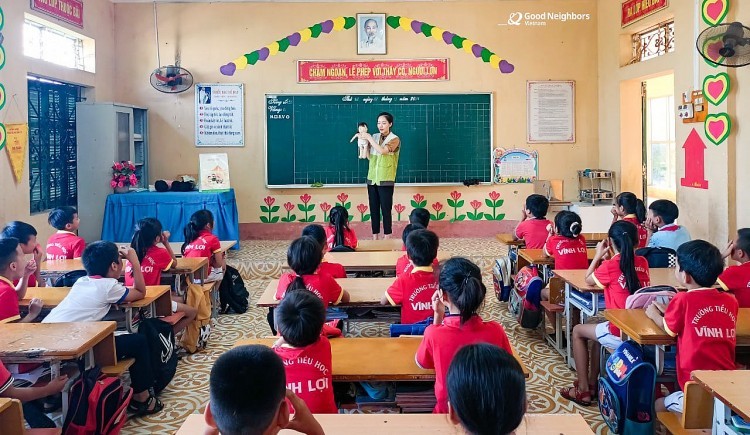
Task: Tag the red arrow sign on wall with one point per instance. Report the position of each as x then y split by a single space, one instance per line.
695 149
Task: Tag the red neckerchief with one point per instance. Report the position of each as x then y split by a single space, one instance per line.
669 228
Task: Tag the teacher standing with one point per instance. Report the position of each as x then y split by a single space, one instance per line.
381 175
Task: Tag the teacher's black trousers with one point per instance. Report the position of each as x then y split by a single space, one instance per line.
381 201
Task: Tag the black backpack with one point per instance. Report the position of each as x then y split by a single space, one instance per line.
232 292
658 257
163 351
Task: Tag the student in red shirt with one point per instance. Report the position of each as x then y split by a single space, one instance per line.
13 267
462 293
338 232
533 227
26 235
736 279
403 264
414 290
566 244
200 242
33 415
305 351
64 244
319 234
304 256
703 319
620 277
627 207
155 260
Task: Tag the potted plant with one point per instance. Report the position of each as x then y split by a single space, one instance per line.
123 176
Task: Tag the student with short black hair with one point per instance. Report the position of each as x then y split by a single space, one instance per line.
486 390
414 290
65 243
403 264
14 267
628 207
736 279
662 231
420 216
247 392
26 235
462 293
703 319
318 233
338 232
305 351
533 226
304 256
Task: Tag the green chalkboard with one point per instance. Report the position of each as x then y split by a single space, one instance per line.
445 138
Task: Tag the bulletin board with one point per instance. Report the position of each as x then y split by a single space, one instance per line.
551 108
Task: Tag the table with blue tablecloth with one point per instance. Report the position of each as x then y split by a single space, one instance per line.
173 209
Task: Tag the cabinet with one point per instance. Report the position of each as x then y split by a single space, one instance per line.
591 186
107 132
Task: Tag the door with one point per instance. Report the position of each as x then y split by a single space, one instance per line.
659 150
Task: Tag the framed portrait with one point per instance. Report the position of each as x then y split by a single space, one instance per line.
371 34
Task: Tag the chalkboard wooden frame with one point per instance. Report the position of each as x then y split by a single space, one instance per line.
490 160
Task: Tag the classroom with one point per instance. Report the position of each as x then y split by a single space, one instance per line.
205 138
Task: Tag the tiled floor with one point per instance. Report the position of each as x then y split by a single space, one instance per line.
259 261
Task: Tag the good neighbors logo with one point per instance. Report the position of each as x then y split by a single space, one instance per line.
542 18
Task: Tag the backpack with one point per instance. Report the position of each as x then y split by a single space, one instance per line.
399 329
232 292
341 248
645 296
162 348
626 391
97 404
69 278
501 278
527 297
196 334
658 257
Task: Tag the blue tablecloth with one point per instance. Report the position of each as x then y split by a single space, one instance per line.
173 209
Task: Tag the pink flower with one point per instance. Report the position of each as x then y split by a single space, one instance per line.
437 206
113 184
269 200
117 166
120 184
133 180
305 198
342 197
494 195
288 206
399 208
362 208
475 205
325 206
418 198
456 195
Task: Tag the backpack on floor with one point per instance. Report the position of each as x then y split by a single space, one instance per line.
162 348
501 278
645 296
527 295
196 334
626 391
97 404
232 292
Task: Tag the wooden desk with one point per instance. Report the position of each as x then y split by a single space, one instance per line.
380 245
363 292
509 239
417 424
177 246
354 361
11 417
591 239
729 389
375 260
181 266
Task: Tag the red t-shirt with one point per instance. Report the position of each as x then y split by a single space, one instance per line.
64 245
642 231
533 232
736 279
350 239
334 269
609 277
704 322
8 299
6 379
308 374
440 344
413 291
568 253
153 264
403 265
322 286
32 281
204 246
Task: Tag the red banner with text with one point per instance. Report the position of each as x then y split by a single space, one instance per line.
70 11
634 10
310 71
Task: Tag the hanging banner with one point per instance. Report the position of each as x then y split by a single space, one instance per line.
634 10
309 71
70 11
219 114
17 139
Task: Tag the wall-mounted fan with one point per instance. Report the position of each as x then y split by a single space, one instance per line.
170 79
725 45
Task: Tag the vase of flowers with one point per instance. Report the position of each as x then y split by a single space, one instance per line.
123 176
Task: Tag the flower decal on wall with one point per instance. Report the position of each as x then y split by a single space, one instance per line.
418 201
399 209
290 217
325 207
306 207
476 215
362 209
342 201
269 209
494 202
456 202
439 215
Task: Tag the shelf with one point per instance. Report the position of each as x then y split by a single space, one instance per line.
137 164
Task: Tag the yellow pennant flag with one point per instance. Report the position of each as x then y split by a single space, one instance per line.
16 144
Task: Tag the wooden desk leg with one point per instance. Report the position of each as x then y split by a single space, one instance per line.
11 419
104 352
572 318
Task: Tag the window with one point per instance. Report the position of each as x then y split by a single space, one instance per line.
53 178
52 43
661 143
653 42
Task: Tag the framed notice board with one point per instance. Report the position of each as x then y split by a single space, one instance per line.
550 111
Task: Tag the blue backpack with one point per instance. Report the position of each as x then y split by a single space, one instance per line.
399 329
626 391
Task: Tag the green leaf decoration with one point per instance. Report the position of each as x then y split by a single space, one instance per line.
433 217
499 202
351 217
486 55
274 219
427 29
291 218
283 44
414 204
316 30
366 218
274 209
252 58
460 203
264 209
500 217
264 219
450 202
311 218
474 216
349 22
459 218
458 41
301 207
392 21
422 204
441 216
489 203
489 217
348 205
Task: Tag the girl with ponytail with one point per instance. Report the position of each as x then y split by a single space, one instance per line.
629 208
619 277
200 242
338 232
566 245
154 259
461 294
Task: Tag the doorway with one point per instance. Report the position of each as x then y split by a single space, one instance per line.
659 148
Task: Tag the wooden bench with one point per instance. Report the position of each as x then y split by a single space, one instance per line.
118 369
696 419
553 310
